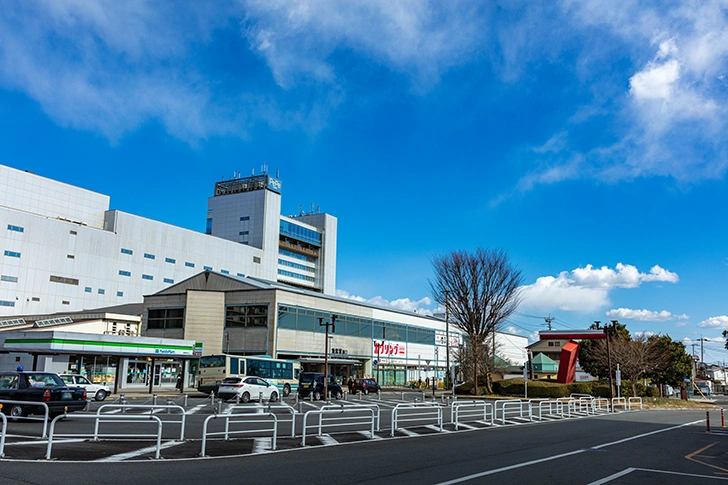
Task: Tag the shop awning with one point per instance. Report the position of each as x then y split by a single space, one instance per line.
320 360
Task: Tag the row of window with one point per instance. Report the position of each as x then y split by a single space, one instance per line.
296 265
302 257
296 275
246 316
300 233
151 256
15 228
9 279
164 318
298 318
12 254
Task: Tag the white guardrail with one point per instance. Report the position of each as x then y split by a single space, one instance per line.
471 411
244 419
45 417
139 418
377 414
147 407
339 418
520 405
270 409
619 401
635 400
554 408
416 412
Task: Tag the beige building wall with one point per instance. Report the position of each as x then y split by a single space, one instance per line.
205 319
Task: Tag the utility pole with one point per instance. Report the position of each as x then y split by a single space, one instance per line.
331 324
609 359
549 319
447 337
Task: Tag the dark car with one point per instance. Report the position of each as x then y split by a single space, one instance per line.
365 386
313 383
42 387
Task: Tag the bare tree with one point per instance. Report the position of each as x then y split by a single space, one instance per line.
480 291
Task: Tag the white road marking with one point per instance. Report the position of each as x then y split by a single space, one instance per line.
44 442
466 426
327 440
262 445
627 471
437 428
487 423
141 451
407 432
562 455
196 408
614 476
367 434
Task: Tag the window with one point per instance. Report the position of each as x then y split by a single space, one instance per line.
243 233
207 268
208 227
256 259
73 233
300 233
245 218
170 260
119 293
87 289
15 228
147 277
296 265
102 291
7 303
124 273
224 271
70 256
148 256
296 255
246 316
35 298
12 254
291 274
190 265
65 302
126 251
164 318
241 275
64 280
168 280
9 279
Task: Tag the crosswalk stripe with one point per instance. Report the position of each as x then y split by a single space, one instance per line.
196 409
327 440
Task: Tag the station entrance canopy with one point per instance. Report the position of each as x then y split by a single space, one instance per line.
570 351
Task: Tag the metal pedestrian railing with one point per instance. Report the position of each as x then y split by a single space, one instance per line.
338 418
377 415
108 418
152 408
634 400
270 408
553 408
2 436
619 401
416 412
246 419
521 407
471 411
45 417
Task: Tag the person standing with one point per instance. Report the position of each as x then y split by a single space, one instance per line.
179 382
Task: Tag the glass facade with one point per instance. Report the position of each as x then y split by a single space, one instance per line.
294 231
165 318
246 316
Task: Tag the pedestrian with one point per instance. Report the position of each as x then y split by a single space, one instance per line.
419 383
179 382
351 385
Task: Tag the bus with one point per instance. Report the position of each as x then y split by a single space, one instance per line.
214 368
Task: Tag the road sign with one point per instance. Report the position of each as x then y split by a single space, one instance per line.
375 362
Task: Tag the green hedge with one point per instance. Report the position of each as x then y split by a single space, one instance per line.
551 389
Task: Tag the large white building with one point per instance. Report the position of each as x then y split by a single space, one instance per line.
63 250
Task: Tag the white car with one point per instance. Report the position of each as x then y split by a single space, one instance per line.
248 388
98 391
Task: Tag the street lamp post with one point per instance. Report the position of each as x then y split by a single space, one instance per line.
331 324
447 337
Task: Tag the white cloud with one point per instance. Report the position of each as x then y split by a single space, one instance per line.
644 334
513 330
644 315
715 322
587 289
655 81
404 304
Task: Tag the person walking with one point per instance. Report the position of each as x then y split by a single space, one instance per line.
351 385
179 382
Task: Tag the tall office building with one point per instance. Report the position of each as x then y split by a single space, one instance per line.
64 250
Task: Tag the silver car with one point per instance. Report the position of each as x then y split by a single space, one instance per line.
98 391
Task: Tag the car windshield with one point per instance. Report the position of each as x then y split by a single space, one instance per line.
44 380
307 378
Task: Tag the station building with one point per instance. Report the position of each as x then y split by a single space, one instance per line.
63 250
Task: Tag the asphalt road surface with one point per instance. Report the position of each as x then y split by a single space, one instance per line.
639 447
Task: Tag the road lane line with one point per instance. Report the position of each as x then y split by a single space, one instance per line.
44 442
141 451
561 455
614 476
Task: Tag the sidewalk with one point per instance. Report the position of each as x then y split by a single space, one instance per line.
163 392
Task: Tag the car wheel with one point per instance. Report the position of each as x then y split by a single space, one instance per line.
100 395
17 411
366 391
273 396
316 396
286 390
338 395
245 397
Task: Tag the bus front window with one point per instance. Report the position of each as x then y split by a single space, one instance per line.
212 361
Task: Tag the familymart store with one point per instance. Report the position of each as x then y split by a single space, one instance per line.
122 362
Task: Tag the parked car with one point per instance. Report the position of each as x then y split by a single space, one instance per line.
98 391
247 388
365 386
313 382
39 387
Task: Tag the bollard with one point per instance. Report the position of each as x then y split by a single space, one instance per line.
300 407
707 421
212 398
260 398
154 399
402 398
311 396
360 393
379 394
346 395
722 418
122 398
219 406
237 398
185 400
423 395
169 403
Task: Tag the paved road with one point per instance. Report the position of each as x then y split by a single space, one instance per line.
632 448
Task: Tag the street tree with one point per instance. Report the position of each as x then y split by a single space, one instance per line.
592 353
480 291
676 365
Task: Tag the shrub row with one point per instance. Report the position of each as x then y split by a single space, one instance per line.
550 389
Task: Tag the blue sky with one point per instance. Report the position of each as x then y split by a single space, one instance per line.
587 141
